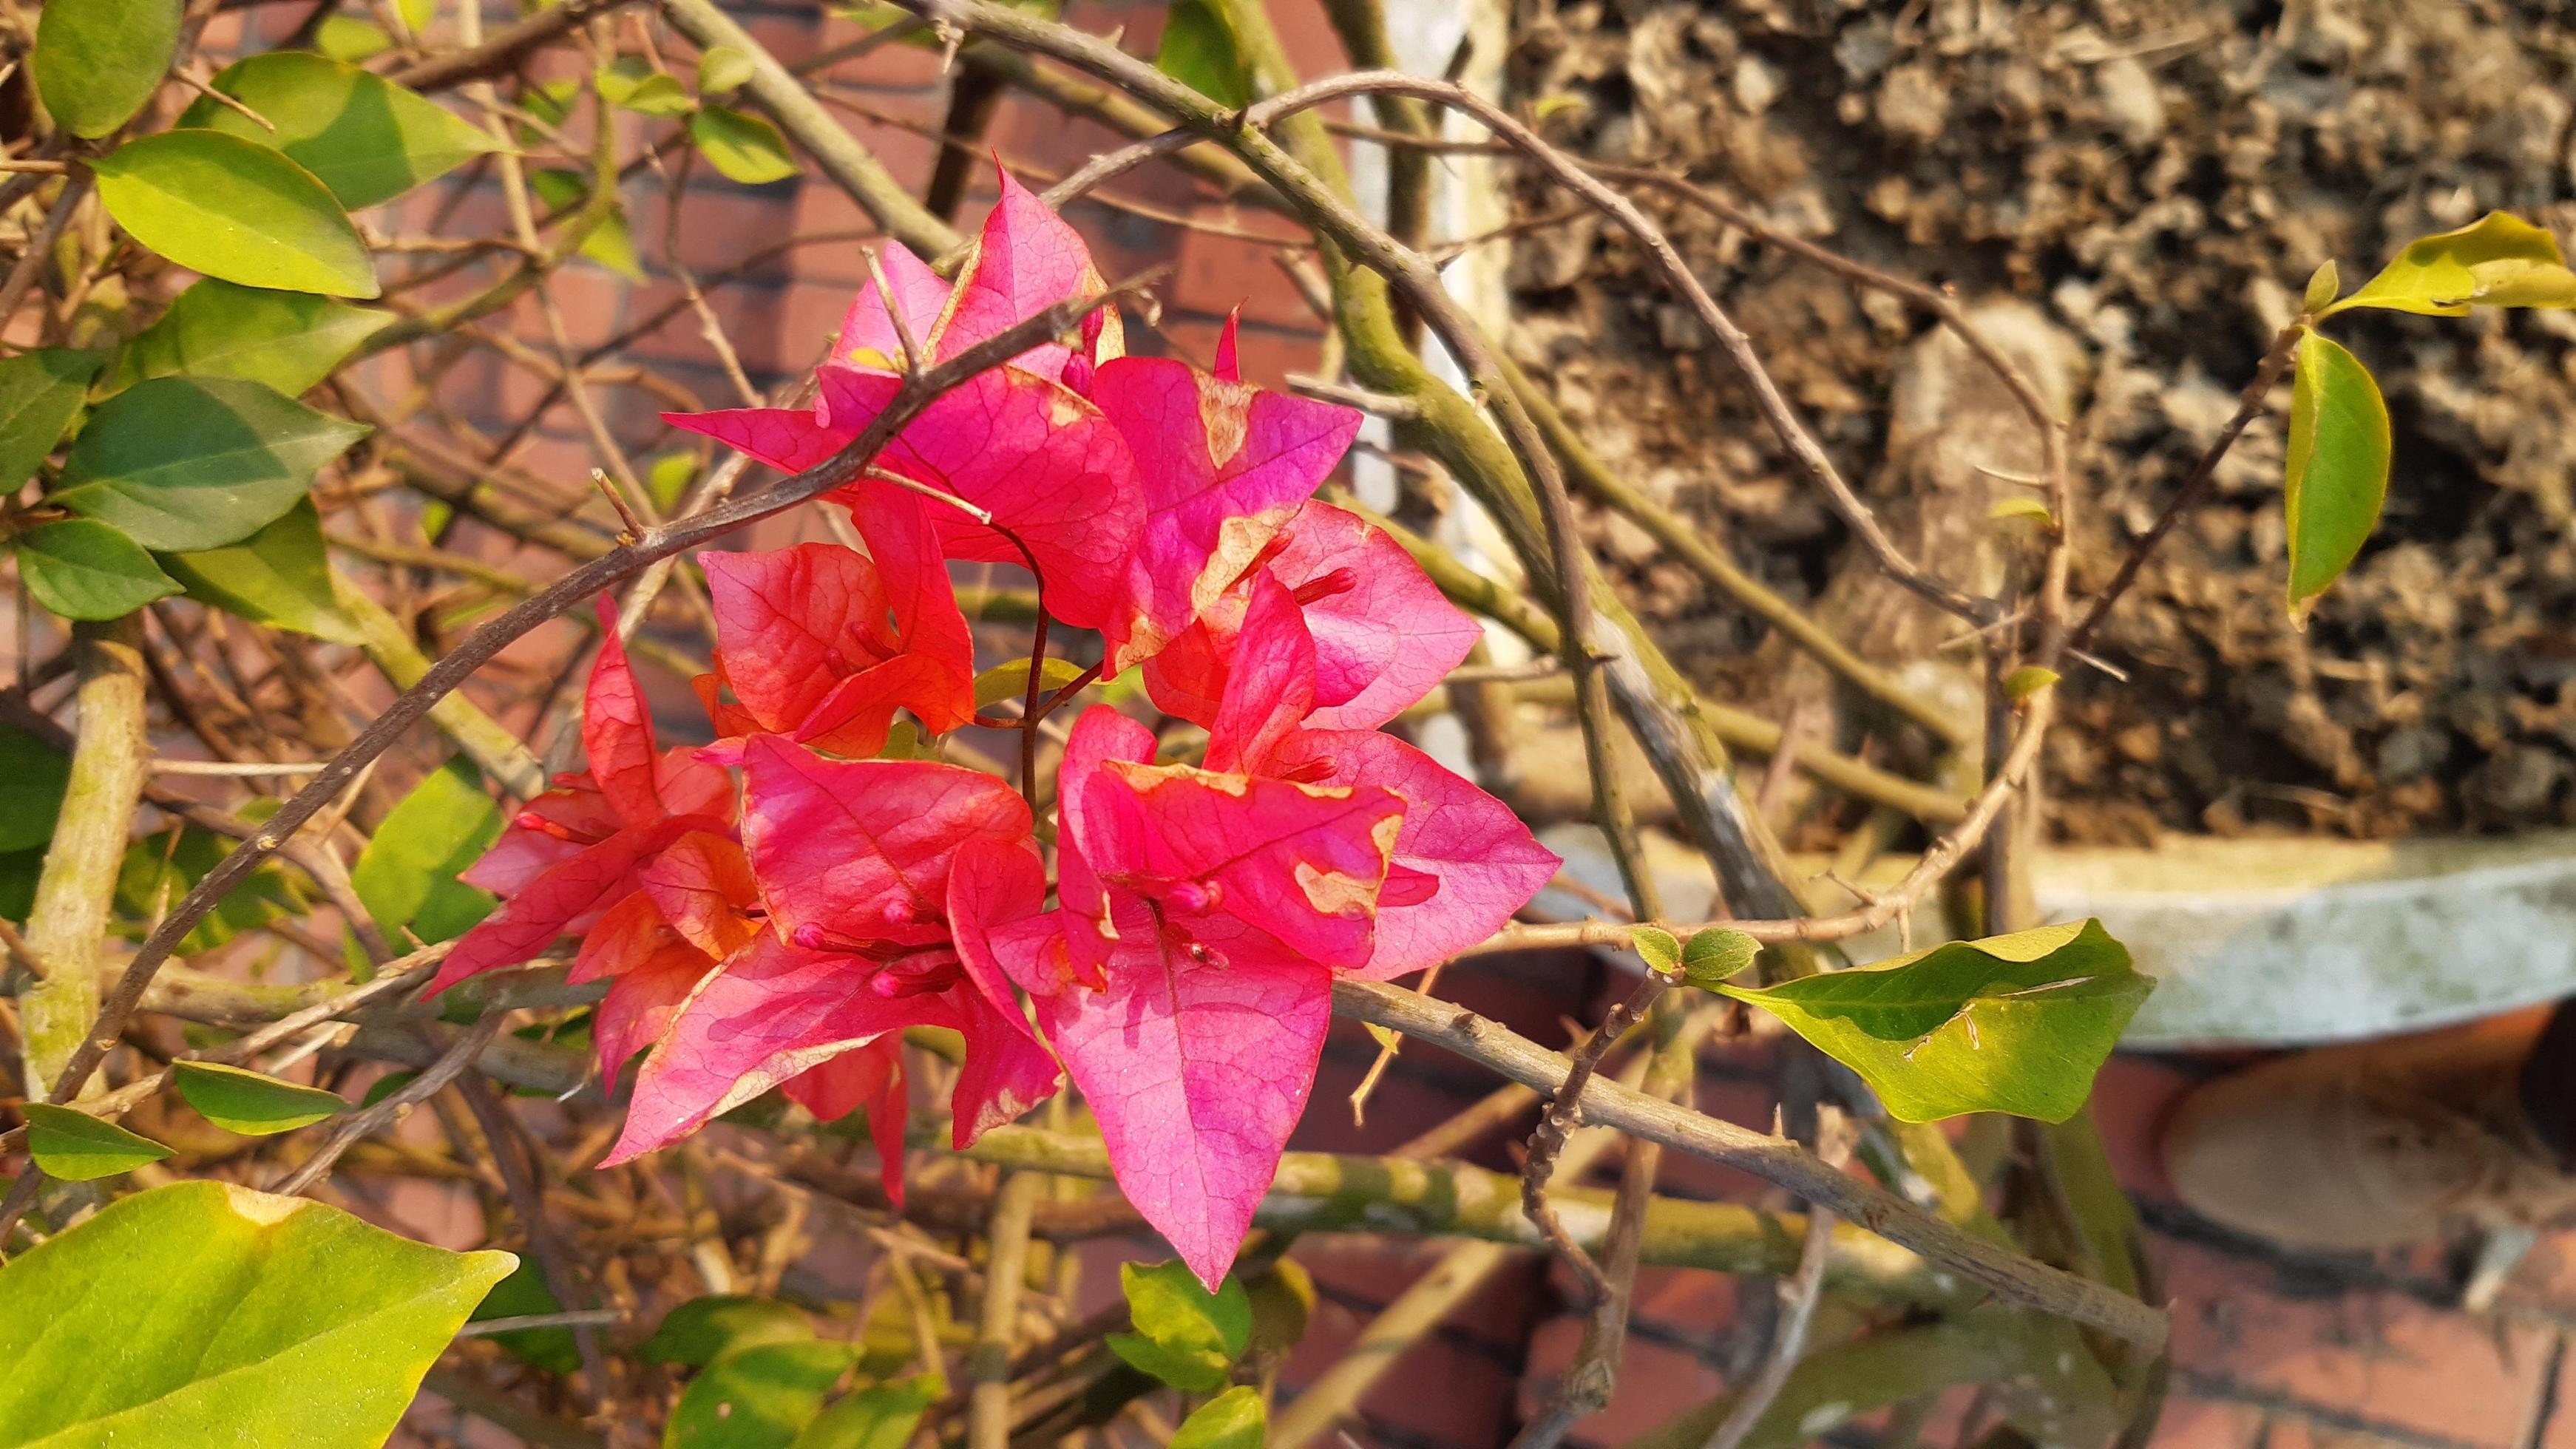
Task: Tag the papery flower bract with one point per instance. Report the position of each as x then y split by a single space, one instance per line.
1222 466
1384 635
1186 980
1462 864
575 850
819 645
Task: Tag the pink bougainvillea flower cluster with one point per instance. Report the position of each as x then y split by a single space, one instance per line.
1178 944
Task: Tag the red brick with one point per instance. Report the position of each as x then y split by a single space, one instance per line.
1656 1381
2192 1423
2378 1356
1689 1302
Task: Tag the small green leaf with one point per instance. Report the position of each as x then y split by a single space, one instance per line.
524 1294
235 209
632 84
2028 680
156 873
33 776
1235 1419
759 1397
668 479
610 243
184 463
1718 954
702 1330
881 1416
2336 474
1011 680
366 138
237 1318
81 569
723 70
741 146
406 876
417 14
1185 1336
1283 1302
1200 51
2324 284
1662 952
347 38
286 340
40 394
2015 1024
279 576
2499 260
2030 508
98 61
253 1104
76 1147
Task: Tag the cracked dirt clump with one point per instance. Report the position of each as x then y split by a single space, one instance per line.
2155 178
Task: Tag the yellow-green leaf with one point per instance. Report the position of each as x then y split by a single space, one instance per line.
253 1104
364 137
1235 1419
744 147
2030 508
632 84
2323 285
759 1397
279 576
346 37
2015 1024
286 340
2499 260
98 61
73 1145
723 70
40 394
82 569
407 875
610 243
1185 1335
235 209
237 1318
1718 954
701 1330
1011 680
1200 51
187 463
2336 478
881 1416
2028 680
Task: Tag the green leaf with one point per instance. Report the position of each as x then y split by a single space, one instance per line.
1185 1335
364 137
759 1397
1661 952
2499 260
1283 1302
98 61
253 1104
2030 508
610 243
155 873
86 570
2015 1024
73 1145
1200 51
33 776
744 147
186 463
279 576
1718 954
669 478
2028 680
1011 681
346 37
19 872
235 209
723 70
632 83
2336 476
235 1318
702 1330
285 340
2323 284
524 1294
1235 1419
40 393
881 1416
406 876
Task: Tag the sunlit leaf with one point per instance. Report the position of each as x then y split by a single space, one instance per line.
406 876
759 1397
1010 680
2015 1024
2336 474
184 463
723 70
235 209
610 243
2028 680
1717 954
743 147
279 576
2499 260
1661 951
83 569
73 1145
1185 1335
1235 1419
346 37
253 1104
366 138
1200 51
881 1416
631 84
40 394
235 1317
702 1330
285 340
98 61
